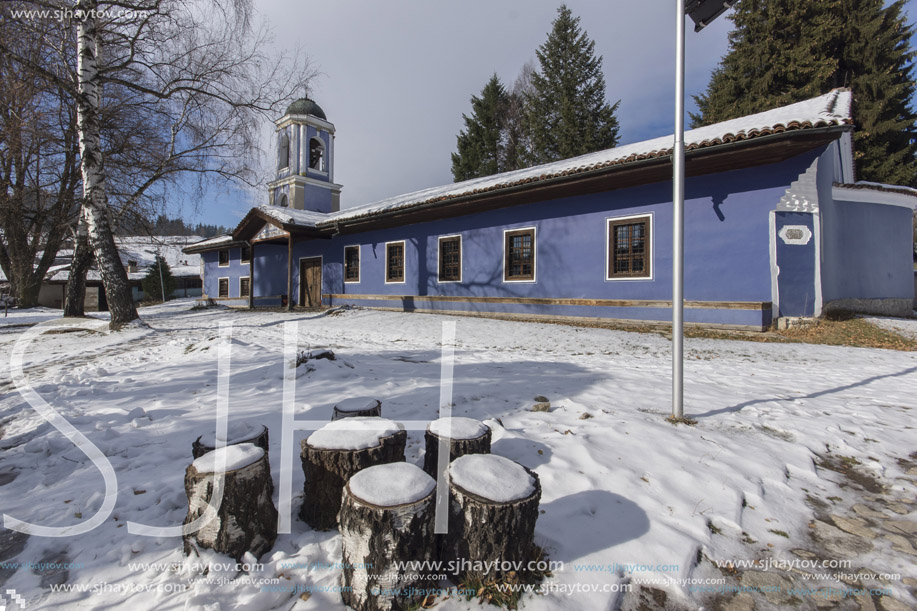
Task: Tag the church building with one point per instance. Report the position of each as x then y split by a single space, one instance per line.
775 226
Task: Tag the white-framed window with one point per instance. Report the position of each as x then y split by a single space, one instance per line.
352 263
449 258
246 255
394 262
629 247
519 254
224 258
245 286
223 288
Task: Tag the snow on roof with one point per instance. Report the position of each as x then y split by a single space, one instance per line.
291 216
833 108
391 484
142 251
220 239
878 186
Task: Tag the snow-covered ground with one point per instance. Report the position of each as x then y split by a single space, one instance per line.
621 486
14 317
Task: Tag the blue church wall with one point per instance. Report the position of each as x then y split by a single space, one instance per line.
319 198
726 237
213 271
270 267
868 251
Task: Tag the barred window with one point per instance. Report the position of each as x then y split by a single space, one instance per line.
394 262
245 285
224 257
450 259
351 264
224 287
629 248
246 256
519 261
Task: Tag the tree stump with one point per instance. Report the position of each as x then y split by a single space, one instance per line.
387 517
246 520
464 436
243 432
332 454
356 407
493 507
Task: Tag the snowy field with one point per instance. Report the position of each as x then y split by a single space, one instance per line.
621 486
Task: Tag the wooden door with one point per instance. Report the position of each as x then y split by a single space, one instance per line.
310 282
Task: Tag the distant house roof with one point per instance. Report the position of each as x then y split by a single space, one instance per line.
220 241
876 193
142 250
832 110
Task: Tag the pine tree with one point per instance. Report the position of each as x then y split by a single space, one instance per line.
785 51
567 111
479 144
152 284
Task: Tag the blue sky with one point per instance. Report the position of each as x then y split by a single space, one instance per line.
397 76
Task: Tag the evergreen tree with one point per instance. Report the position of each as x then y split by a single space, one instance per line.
785 51
567 111
152 284
479 144
517 140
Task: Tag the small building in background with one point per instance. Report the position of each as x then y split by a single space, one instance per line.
138 253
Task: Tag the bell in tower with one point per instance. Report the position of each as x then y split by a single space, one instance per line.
305 160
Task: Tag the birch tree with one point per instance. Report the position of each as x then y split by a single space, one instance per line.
165 89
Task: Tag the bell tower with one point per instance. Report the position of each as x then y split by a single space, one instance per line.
304 179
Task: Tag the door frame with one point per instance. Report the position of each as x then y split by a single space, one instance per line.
302 284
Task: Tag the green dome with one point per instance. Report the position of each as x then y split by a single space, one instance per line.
305 106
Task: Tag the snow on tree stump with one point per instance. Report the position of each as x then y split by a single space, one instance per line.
243 432
493 507
356 407
387 518
338 450
464 436
246 520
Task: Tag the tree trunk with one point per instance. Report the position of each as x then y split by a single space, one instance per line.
376 539
485 533
259 437
95 200
457 448
360 406
75 298
327 471
246 520
26 290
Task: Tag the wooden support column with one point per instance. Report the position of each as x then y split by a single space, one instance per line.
251 276
290 273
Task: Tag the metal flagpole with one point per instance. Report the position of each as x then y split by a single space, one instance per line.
678 219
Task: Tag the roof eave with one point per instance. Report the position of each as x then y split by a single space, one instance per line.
819 135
